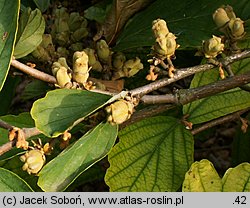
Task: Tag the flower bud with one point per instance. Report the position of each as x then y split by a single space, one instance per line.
80 61
62 52
159 50
171 45
97 66
212 47
118 60
166 46
160 28
55 67
78 46
119 111
41 54
61 71
220 17
61 20
34 161
46 41
230 12
45 50
62 38
63 77
162 42
76 21
132 66
236 27
80 67
93 62
79 34
62 61
91 54
103 51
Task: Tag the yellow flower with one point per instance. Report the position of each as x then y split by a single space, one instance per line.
212 47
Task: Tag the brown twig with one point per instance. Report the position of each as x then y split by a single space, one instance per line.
159 99
219 121
112 86
190 95
140 91
26 132
179 74
30 132
5 125
7 147
185 72
185 96
235 57
33 72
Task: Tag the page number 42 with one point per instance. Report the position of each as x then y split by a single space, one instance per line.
240 200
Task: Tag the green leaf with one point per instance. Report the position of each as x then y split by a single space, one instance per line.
35 89
9 11
202 177
10 182
14 164
216 106
94 173
241 147
191 21
8 92
61 109
22 120
221 104
95 13
30 31
42 4
237 179
152 155
59 173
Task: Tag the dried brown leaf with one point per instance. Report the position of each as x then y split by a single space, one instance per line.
117 17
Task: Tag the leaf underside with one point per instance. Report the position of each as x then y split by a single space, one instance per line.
202 177
221 104
237 179
152 155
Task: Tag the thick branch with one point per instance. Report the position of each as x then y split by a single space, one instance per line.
185 72
159 99
185 96
190 95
